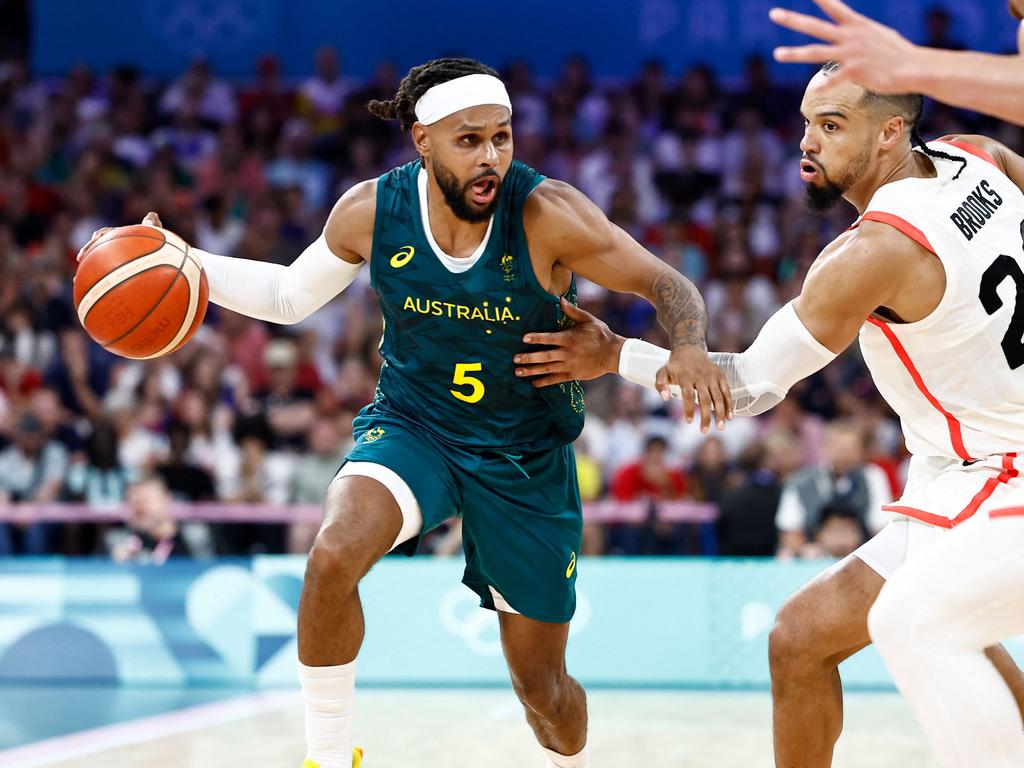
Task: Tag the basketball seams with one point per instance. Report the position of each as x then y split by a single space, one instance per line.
163 296
116 277
190 314
127 279
124 263
163 240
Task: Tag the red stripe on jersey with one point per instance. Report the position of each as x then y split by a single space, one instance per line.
902 225
1009 472
973 150
919 514
1007 512
955 431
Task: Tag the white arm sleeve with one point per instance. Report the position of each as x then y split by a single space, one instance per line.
274 292
783 353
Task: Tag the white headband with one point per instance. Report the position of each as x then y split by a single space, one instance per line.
461 93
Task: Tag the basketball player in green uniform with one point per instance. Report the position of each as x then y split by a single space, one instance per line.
467 250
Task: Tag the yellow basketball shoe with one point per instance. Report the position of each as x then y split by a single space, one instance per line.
357 760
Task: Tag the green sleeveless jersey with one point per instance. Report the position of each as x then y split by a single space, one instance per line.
449 337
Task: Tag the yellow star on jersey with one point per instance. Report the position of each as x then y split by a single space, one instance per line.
508 299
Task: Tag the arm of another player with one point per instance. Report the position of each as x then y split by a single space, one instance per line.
566 227
882 60
289 294
850 279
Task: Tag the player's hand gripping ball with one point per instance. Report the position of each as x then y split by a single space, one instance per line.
140 292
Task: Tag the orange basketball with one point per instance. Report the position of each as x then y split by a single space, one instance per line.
140 292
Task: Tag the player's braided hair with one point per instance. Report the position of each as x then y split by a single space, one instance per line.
421 79
910 106
917 141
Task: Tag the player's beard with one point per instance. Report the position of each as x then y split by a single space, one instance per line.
455 193
823 197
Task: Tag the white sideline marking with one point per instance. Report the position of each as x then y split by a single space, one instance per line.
107 737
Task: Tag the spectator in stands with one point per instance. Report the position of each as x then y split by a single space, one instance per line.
212 100
270 96
263 477
297 167
184 480
45 405
80 375
287 406
313 473
151 534
31 470
709 476
840 531
746 516
217 230
96 476
322 97
844 479
652 479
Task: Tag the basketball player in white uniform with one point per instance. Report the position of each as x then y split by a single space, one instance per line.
931 620
931 277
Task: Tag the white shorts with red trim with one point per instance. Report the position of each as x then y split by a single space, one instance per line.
941 494
945 493
896 544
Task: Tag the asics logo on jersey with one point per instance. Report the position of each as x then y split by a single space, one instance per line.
403 257
572 566
374 434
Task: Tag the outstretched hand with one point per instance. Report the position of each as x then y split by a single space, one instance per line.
870 54
584 351
701 384
150 220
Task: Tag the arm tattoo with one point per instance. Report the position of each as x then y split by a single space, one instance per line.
680 310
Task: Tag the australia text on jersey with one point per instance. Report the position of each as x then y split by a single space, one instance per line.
438 308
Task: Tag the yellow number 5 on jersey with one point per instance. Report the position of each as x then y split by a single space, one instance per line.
461 379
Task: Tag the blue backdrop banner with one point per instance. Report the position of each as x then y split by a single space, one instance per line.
640 622
162 36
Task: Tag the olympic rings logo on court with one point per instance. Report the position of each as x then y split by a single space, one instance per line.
461 615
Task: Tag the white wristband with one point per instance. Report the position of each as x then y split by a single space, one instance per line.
783 353
640 361
276 293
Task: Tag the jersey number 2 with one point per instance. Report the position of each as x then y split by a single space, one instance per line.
460 378
1000 269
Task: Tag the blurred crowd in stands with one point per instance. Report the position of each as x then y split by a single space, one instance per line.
703 175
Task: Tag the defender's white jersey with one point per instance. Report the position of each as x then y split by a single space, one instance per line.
956 378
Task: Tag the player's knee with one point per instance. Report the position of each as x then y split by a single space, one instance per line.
540 690
791 640
336 557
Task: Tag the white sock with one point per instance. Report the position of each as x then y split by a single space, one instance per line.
329 694
555 760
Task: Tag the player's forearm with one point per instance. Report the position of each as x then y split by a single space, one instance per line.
274 292
680 310
978 81
783 353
